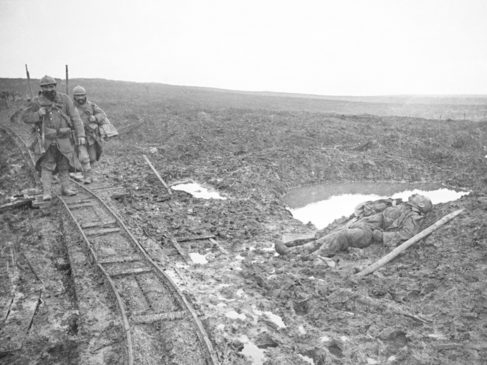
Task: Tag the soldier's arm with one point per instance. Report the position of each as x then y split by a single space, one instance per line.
99 114
31 114
75 118
410 227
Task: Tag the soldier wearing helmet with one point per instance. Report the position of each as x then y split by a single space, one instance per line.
420 202
93 118
59 128
387 221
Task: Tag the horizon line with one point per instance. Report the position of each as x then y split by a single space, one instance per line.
432 95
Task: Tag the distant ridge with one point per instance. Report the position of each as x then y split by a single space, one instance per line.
466 99
457 107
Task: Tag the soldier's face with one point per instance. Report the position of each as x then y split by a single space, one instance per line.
81 99
49 91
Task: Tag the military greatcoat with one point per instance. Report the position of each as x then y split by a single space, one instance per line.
92 129
61 126
397 223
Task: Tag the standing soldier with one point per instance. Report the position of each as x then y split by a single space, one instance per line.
93 117
59 130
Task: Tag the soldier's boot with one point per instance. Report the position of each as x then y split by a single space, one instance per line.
281 248
66 188
87 177
46 180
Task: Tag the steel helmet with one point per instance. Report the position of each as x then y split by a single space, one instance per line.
48 80
423 203
79 90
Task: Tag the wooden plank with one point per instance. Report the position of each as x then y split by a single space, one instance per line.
151 318
218 246
119 259
16 204
157 174
294 239
15 328
128 271
99 224
195 238
81 205
102 232
391 255
181 252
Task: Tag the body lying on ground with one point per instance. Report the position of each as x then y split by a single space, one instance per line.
387 221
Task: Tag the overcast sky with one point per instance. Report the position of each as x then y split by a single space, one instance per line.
328 47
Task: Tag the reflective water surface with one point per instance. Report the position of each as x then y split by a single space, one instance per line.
198 191
322 204
254 354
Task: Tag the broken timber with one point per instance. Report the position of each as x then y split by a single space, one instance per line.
157 174
391 255
15 204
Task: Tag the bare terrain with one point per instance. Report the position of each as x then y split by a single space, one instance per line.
429 306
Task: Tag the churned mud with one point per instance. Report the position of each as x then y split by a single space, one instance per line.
428 306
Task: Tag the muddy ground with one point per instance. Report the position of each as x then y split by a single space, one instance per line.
426 307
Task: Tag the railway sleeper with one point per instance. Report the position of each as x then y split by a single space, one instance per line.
88 204
97 224
155 317
125 271
102 232
120 259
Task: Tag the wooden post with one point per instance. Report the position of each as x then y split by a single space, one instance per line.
384 260
158 176
31 95
67 80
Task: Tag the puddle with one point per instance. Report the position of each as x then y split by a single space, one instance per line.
235 315
198 191
274 318
240 293
321 205
252 352
307 359
197 258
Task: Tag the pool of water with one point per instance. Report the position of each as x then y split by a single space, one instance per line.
322 204
198 191
254 354
197 258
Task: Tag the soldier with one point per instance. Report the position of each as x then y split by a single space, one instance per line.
59 130
382 221
93 117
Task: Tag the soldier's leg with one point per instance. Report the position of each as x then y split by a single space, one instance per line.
48 165
88 173
84 159
332 243
340 241
306 248
63 168
359 237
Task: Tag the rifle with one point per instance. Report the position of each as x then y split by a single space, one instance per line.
31 95
39 128
67 80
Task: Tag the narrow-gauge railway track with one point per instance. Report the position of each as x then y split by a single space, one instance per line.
156 317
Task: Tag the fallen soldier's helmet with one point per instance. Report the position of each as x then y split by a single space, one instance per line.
281 248
423 203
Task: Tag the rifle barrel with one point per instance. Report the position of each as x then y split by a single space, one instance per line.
28 82
67 80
